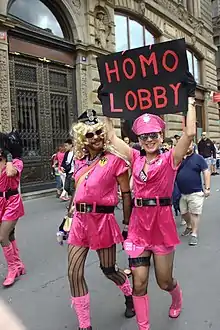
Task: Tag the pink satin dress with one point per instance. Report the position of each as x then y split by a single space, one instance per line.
13 208
95 230
152 226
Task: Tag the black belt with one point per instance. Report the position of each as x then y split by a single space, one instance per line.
88 208
139 202
9 193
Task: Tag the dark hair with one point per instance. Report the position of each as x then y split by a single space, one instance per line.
69 141
12 143
169 141
136 146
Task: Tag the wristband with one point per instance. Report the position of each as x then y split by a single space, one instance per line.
9 158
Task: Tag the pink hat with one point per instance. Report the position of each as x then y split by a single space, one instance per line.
148 123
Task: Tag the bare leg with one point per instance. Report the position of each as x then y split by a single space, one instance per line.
187 218
164 276
188 230
195 220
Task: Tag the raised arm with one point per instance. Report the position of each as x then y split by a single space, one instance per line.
11 170
190 130
118 144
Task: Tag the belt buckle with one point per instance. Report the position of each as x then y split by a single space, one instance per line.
4 194
139 202
82 207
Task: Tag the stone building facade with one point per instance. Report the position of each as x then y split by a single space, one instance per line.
48 71
216 31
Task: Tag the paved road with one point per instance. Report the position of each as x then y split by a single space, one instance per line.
41 298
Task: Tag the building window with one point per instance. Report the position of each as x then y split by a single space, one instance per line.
130 33
194 66
200 124
214 8
36 13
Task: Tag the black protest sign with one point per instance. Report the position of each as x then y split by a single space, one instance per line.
147 79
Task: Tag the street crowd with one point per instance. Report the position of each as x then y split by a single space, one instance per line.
154 178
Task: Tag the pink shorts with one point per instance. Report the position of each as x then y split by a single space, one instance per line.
161 250
135 251
11 209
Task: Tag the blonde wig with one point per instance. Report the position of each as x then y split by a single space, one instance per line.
78 133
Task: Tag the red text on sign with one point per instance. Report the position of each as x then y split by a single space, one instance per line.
144 98
129 67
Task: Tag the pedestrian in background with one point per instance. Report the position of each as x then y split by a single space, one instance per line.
67 167
207 150
190 186
11 205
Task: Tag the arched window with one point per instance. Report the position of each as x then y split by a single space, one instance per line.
36 13
130 34
194 66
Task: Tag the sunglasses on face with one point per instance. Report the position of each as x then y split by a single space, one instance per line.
90 135
146 136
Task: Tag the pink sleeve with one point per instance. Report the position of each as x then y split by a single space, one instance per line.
18 164
120 166
169 158
134 155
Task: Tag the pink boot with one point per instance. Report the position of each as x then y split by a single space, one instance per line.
82 309
12 268
127 290
19 263
177 300
141 306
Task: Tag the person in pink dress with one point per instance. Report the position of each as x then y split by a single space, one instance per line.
56 165
97 174
152 230
11 206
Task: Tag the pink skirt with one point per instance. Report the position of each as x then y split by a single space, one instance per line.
11 209
94 230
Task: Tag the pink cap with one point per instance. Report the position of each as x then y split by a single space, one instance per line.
148 123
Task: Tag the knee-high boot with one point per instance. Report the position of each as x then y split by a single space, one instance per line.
177 301
18 262
12 268
82 309
127 291
141 306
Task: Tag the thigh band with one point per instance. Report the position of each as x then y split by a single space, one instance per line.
138 262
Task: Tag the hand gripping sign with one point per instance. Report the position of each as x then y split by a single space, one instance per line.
147 79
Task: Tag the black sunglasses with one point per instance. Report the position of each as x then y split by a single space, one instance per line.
90 135
146 136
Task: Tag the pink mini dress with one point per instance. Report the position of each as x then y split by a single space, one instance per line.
13 208
97 230
152 226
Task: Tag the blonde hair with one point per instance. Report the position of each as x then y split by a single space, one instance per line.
78 133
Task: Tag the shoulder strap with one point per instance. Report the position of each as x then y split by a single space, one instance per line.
84 173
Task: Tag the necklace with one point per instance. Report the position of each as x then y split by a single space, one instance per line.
149 162
89 162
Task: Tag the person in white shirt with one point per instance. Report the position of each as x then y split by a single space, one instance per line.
67 167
